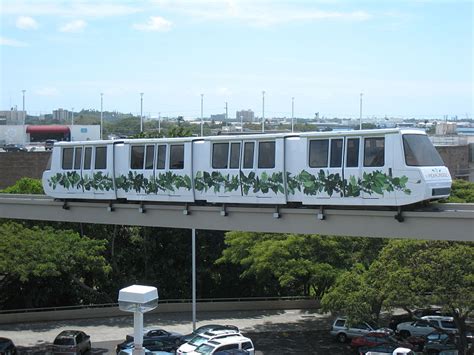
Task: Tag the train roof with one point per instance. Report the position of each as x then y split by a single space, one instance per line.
258 136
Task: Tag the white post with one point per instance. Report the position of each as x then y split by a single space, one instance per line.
101 114
226 113
24 113
138 333
360 113
263 111
194 276
141 112
72 116
292 114
202 117
241 122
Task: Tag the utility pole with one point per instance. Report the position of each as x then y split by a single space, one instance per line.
141 112
202 117
101 115
263 111
292 114
360 113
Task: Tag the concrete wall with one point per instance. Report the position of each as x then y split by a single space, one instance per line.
15 165
12 134
88 313
456 159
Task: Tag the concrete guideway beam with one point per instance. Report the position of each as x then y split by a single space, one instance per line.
438 222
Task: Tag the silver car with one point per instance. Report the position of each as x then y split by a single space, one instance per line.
342 330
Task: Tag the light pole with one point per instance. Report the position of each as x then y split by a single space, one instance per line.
263 111
241 122
159 122
24 113
360 112
72 116
292 114
101 114
226 113
202 117
141 112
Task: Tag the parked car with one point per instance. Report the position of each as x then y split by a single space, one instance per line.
202 338
385 349
152 344
427 325
147 352
7 347
377 338
49 144
396 319
15 148
158 333
218 345
208 328
439 341
72 342
343 331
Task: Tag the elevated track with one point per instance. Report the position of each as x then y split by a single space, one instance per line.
436 222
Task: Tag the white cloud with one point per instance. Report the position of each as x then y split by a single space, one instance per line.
12 42
154 23
47 91
73 26
26 23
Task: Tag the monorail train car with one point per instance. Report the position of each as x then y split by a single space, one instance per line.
389 167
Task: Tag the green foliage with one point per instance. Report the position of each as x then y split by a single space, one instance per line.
462 191
25 186
73 180
34 261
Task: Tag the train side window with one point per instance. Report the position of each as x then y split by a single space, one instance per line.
336 153
234 155
149 156
67 158
177 156
352 154
101 158
374 152
77 158
161 157
137 157
248 155
87 158
266 155
318 153
220 154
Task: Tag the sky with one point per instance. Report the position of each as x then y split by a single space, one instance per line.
409 58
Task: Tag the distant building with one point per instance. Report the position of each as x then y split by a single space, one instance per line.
218 117
12 117
445 128
60 114
245 115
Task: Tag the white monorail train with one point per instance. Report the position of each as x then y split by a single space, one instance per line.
390 167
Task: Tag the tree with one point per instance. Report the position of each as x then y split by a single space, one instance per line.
46 267
25 186
462 191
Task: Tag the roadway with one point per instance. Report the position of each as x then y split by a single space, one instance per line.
437 222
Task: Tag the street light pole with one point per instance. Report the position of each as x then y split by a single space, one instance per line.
241 122
141 112
159 122
226 113
292 114
263 111
101 115
202 117
72 116
360 113
24 113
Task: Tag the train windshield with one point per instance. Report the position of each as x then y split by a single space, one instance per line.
419 151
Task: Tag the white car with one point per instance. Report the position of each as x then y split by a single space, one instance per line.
235 342
427 325
199 339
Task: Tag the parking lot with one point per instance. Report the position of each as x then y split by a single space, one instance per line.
273 332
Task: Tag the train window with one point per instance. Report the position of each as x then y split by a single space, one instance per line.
336 153
318 153
161 157
101 158
374 152
149 156
137 157
248 155
67 158
87 158
234 155
419 151
77 158
352 154
220 154
177 156
266 155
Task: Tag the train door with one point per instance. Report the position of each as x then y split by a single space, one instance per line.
324 180
142 157
160 170
100 181
352 168
375 170
225 162
178 178
248 169
72 165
